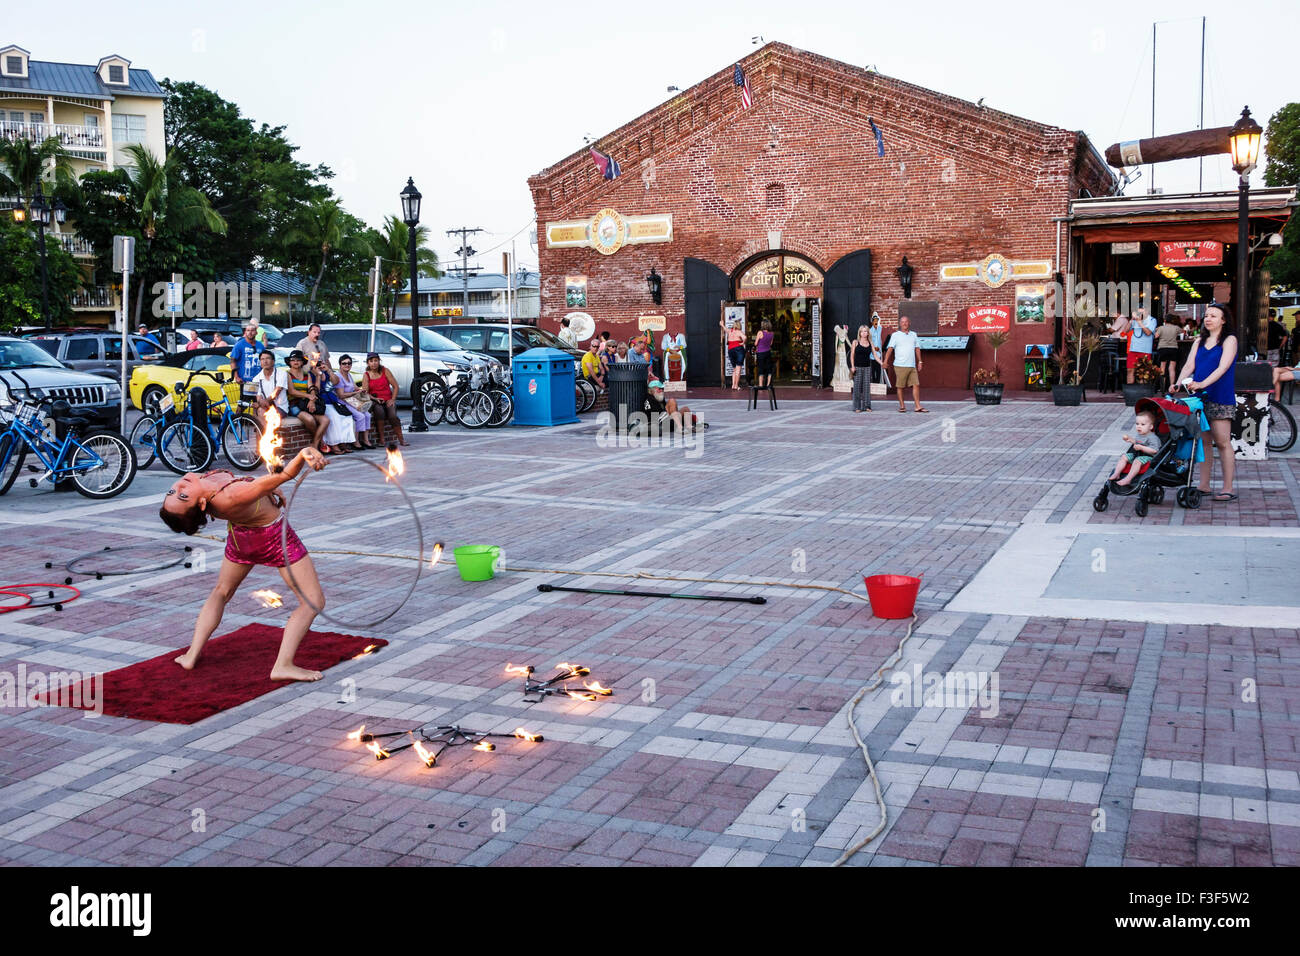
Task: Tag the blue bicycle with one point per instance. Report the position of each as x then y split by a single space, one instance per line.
185 446
100 465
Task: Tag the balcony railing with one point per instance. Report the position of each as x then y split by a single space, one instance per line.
98 297
70 136
77 246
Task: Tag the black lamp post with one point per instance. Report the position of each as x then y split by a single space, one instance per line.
905 278
655 283
411 216
42 215
1243 144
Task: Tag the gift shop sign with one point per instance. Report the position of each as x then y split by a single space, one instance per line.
988 318
1196 252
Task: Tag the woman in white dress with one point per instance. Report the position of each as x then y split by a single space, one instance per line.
842 381
341 430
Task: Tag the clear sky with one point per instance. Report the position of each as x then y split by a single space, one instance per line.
472 98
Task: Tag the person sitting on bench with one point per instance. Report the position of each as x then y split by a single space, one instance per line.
658 408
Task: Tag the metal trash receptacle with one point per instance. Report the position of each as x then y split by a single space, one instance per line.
543 388
628 388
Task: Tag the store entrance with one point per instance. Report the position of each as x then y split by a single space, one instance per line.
792 330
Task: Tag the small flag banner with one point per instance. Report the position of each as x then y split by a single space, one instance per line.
880 136
746 97
606 163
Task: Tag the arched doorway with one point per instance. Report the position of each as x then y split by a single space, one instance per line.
784 289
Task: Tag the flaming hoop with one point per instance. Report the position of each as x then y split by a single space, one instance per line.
419 533
535 691
443 736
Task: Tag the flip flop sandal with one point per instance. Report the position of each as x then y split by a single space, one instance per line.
923 411
1224 496
902 411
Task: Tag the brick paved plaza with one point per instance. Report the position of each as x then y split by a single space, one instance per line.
1144 715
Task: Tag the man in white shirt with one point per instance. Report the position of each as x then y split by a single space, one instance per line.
904 353
566 334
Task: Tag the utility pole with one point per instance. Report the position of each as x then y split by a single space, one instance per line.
465 251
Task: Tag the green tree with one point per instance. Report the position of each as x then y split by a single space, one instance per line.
20 277
323 232
1282 151
24 163
391 245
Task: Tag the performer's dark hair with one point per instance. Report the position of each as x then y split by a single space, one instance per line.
188 522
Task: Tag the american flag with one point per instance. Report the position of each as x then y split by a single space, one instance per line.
746 98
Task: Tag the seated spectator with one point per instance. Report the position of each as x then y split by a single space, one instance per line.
218 342
342 431
658 408
304 399
379 384
593 370
355 403
620 352
272 388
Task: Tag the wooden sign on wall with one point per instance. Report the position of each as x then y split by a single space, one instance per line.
923 315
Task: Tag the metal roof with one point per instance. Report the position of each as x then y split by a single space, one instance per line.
483 282
1269 199
78 79
269 282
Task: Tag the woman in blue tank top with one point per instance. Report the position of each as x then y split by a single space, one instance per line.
1210 366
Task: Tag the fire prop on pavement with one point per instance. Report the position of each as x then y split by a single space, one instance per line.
536 691
443 737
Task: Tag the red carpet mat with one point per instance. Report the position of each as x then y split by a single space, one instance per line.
233 670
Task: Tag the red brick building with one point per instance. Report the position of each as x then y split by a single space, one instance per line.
721 201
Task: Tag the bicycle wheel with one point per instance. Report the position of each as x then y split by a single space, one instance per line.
474 408
184 448
503 408
1281 427
103 465
144 441
587 394
434 397
12 452
239 437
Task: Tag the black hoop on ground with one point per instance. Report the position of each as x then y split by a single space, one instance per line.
284 548
180 548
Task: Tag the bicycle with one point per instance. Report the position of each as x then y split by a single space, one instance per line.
101 465
185 447
475 400
1281 426
584 393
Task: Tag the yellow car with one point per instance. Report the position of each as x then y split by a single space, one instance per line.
148 384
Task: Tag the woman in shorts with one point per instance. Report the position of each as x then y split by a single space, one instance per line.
1210 366
735 351
1166 343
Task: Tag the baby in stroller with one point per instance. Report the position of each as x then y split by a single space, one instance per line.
1141 449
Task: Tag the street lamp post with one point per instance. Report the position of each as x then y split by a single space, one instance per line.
42 213
411 216
1243 144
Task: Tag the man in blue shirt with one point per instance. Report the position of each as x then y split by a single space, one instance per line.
144 333
244 362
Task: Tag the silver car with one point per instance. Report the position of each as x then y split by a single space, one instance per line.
393 343
99 353
30 374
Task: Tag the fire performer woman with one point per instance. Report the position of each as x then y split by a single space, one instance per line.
252 507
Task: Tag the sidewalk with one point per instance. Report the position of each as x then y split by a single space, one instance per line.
1115 722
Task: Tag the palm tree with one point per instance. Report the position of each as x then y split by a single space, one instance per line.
394 253
323 226
23 163
160 202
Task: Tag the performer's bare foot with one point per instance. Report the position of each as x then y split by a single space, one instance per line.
188 660
294 672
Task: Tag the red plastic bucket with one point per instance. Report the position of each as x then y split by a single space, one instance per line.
892 595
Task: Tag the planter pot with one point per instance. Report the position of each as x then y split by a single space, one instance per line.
988 394
1067 394
1133 392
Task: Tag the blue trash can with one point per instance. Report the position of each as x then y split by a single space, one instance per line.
543 388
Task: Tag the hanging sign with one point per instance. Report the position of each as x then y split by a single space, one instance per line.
609 231
1197 252
988 318
780 277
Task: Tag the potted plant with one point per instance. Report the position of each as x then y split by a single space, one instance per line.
988 381
1145 376
1080 342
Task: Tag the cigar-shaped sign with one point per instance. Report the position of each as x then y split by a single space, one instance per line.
1158 149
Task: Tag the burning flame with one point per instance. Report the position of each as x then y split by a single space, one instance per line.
485 745
575 670
369 649
578 695
396 464
355 736
379 752
525 735
266 448
423 752
315 356
437 554
595 687
268 598
523 671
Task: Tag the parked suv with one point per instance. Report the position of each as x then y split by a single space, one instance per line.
393 343
29 374
99 353
490 339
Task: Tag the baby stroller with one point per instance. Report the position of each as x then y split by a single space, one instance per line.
1179 423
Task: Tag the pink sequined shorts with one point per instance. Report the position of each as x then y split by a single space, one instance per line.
262 545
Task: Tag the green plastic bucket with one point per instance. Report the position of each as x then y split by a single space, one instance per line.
476 562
